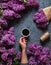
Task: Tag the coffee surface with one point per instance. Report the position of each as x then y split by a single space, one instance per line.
25 32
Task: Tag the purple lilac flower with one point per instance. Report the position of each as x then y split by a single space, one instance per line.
37 52
46 51
32 61
1 32
49 55
7 40
34 3
43 25
4 0
8 14
10 42
10 4
40 47
17 15
29 52
17 7
11 29
44 58
10 32
40 19
40 54
4 5
1 64
11 51
4 56
3 23
34 47
2 49
48 63
6 37
1 43
9 61
12 38
18 56
5 32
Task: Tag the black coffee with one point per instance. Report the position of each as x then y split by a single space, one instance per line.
25 32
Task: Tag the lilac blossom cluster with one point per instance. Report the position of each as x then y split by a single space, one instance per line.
37 55
26 3
41 19
9 10
18 56
12 8
3 23
7 41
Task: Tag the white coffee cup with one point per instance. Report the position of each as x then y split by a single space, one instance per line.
25 32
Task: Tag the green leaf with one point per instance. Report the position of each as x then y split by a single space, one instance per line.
25 1
13 63
16 63
0 27
0 12
0 62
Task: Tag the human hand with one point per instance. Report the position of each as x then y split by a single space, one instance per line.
22 42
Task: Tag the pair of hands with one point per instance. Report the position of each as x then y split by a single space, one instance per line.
22 43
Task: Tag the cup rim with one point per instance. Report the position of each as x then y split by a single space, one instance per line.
24 35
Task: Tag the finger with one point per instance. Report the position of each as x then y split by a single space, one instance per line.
21 39
24 40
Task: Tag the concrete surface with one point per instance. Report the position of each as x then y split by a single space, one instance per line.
27 22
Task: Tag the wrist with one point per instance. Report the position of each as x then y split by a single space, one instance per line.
23 50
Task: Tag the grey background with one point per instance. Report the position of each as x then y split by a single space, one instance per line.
27 22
